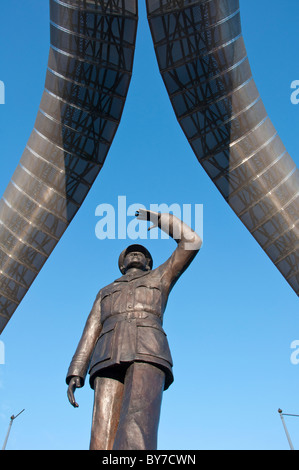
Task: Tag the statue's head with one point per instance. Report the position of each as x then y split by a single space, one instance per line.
135 256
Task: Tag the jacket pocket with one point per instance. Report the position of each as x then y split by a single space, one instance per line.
108 302
152 341
104 347
149 297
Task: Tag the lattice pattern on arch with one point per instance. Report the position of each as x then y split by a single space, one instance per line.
88 76
203 62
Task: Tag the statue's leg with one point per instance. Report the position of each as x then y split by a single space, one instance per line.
108 393
140 412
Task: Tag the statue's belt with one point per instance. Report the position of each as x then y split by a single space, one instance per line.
128 316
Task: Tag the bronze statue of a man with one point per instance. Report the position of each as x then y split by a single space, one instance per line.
125 347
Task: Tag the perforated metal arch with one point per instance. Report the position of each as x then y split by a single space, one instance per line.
205 68
89 71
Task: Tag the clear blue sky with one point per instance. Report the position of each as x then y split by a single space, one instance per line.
230 319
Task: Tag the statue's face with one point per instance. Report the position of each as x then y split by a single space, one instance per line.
135 259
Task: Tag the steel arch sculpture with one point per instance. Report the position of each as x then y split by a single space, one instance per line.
203 62
89 71
205 68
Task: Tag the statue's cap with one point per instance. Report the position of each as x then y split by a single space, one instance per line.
131 248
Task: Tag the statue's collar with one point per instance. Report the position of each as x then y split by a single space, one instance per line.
131 277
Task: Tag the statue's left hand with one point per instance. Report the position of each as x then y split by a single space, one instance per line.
75 382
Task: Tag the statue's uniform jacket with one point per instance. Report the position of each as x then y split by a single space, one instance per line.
125 324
